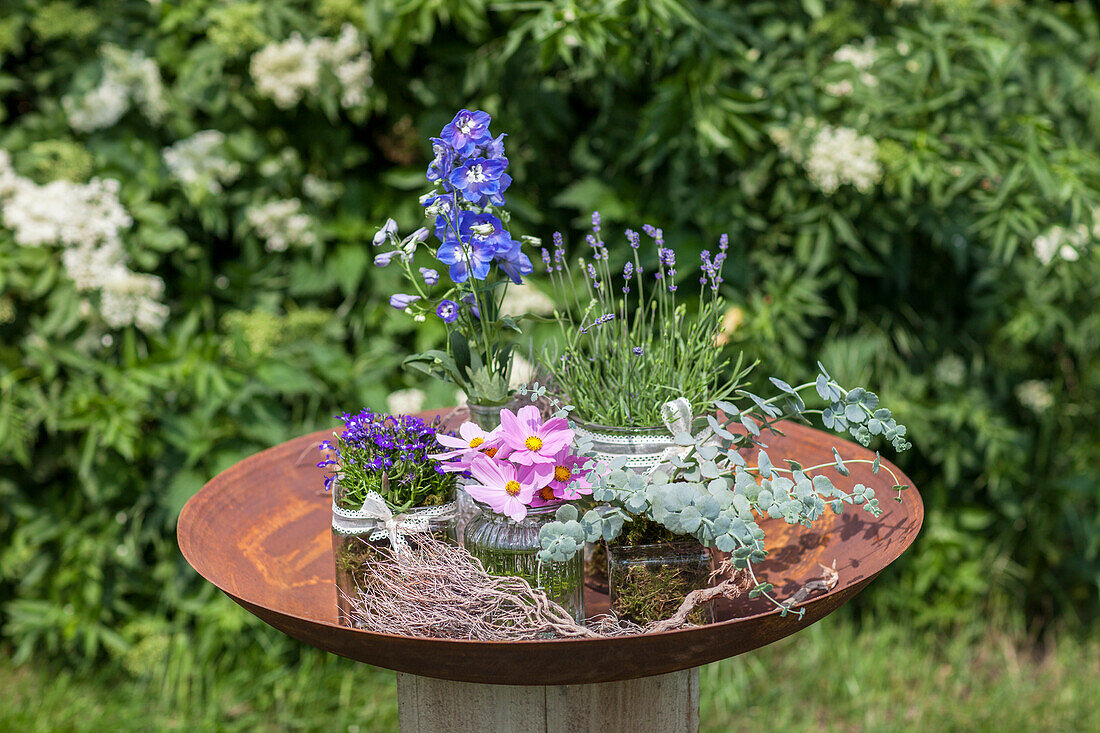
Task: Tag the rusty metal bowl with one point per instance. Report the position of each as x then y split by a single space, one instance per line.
259 531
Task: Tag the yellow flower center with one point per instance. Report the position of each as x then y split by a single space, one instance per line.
561 473
512 487
533 443
476 442
547 494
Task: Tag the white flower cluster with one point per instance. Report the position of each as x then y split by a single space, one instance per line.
281 224
405 401
87 221
840 155
1061 242
289 70
1035 395
526 298
128 78
862 58
199 161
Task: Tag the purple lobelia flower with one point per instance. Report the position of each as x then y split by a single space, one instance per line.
467 131
401 301
431 277
447 310
638 350
479 179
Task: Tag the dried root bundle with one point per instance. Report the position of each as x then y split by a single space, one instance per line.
437 590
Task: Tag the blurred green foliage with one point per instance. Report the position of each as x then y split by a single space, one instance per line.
924 281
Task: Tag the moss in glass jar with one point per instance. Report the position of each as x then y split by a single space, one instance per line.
651 571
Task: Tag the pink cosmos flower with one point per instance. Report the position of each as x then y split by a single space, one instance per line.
530 440
471 441
570 469
504 487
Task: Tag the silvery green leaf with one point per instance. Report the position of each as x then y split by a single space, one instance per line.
822 484
735 457
690 519
720 525
764 463
684 438
765 498
874 426
821 368
876 464
854 413
750 425
709 469
822 387
720 431
827 418
708 506
795 405
725 543
708 452
870 400
618 463
728 408
882 414
566 513
636 503
782 385
741 506
838 506
544 556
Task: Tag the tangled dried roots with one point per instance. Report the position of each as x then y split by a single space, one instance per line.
441 591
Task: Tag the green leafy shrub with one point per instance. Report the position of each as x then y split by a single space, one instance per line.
908 188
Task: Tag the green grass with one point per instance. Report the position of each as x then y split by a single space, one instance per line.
830 677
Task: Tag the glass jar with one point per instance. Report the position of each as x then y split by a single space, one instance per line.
649 582
643 447
354 552
507 547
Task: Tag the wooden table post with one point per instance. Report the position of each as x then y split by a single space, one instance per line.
667 703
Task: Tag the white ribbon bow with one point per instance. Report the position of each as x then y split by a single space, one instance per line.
678 418
394 527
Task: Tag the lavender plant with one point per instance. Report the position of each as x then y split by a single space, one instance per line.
628 345
481 256
389 455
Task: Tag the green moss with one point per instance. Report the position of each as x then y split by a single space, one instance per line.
653 592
